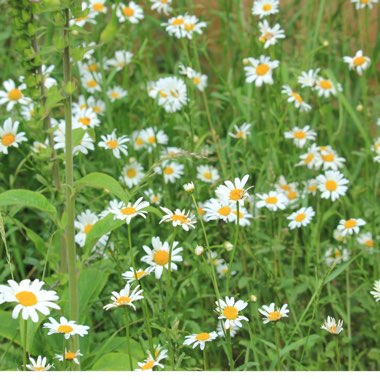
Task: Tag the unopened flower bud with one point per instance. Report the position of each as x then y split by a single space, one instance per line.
228 246
189 187
359 107
253 298
199 250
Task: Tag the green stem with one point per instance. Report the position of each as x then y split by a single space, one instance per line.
235 247
128 340
24 329
348 307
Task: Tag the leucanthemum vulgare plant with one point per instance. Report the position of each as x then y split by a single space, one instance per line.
189 185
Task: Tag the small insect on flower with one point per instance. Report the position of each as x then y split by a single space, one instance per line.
162 256
68 328
126 297
70 356
131 210
273 201
136 275
376 290
115 93
229 310
30 298
116 144
207 173
9 136
162 6
301 136
129 12
359 62
332 185
301 218
259 71
350 226
13 94
332 327
39 364
361 4
121 59
296 98
271 314
241 132
263 8
233 191
200 339
270 34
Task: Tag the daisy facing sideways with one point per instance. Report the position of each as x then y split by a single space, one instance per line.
376 290
9 136
184 219
136 275
350 226
30 298
296 98
39 364
200 339
229 310
270 34
126 297
331 326
241 132
68 328
273 314
128 211
160 258
69 356
334 256
359 62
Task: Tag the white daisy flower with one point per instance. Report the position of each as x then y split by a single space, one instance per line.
263 8
335 256
233 191
46 72
162 6
30 298
219 210
350 226
301 218
311 186
121 59
116 93
361 4
69 356
295 97
97 7
39 364
200 339
244 216
220 329
126 297
207 173
153 137
129 12
183 219
331 326
171 171
132 275
131 210
229 310
13 94
301 136
198 79
153 196
259 71
308 78
86 18
116 144
359 62
273 314
222 269
273 201
132 174
184 26
9 136
332 185
85 118
91 82
159 257
137 139
28 111
376 290
325 87
366 240
38 147
68 328
270 34
328 159
310 159
241 132
84 223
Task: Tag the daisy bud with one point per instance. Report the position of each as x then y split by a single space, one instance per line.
189 187
199 250
228 246
359 107
326 43
253 298
195 138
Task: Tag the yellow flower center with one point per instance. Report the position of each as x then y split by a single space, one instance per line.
168 170
266 36
230 312
224 211
128 210
267 7
312 188
112 144
274 316
189 27
292 195
309 158
196 80
236 194
331 185
163 94
86 121
8 139
203 336
70 355
148 365
240 135
180 218
139 141
151 140
369 243
98 7
325 84
122 300
201 211
39 369
299 135
131 173
271 200
358 61
297 97
87 228
207 175
338 253
65 329
262 69
328 157
300 217
140 274
285 187
26 298
128 12
96 109
115 95
92 83
161 257
177 21
351 223
93 67
14 95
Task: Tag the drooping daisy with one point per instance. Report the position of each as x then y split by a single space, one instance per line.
241 132
273 314
153 196
116 144
301 136
198 79
30 298
121 59
9 136
84 223
85 118
301 218
129 12
273 201
334 256
270 34
219 210
328 159
331 326
171 171
221 329
159 258
132 174
296 98
153 137
361 4
98 7
162 6
350 226
131 210
310 159
366 240
200 339
13 94
308 78
263 8
69 356
376 290
126 297
259 71
40 364
116 93
132 275
233 191
229 310
332 185
184 219
325 87
359 62
68 328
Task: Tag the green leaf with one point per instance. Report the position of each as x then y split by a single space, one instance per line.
309 341
9 327
105 182
26 198
115 361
